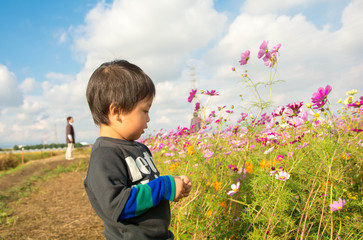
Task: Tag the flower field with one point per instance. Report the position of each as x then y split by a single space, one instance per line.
295 173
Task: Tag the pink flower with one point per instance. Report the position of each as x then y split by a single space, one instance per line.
211 93
244 57
208 154
276 48
235 188
279 158
278 111
337 206
270 59
244 115
192 95
263 49
320 97
290 154
295 121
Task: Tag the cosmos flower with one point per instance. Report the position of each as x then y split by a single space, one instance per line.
337 206
295 107
244 57
208 154
192 95
320 97
263 49
211 93
233 167
197 107
279 158
269 150
278 111
270 59
276 48
235 188
243 117
283 176
352 92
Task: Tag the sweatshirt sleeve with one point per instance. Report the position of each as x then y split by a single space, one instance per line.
145 196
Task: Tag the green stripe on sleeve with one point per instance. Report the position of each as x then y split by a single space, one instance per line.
144 199
172 194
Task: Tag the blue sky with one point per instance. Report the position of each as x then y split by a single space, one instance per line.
48 49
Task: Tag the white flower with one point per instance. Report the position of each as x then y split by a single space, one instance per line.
234 189
352 92
269 150
283 176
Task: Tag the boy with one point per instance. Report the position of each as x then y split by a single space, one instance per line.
122 183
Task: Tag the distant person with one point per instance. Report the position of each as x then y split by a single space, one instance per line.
70 138
195 123
122 183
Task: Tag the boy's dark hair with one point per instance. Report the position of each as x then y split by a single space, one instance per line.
69 118
120 83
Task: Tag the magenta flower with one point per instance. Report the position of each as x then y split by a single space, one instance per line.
211 93
233 167
235 188
320 97
279 158
197 107
356 104
244 57
295 107
263 49
337 206
192 95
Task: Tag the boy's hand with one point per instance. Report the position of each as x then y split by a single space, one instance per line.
187 186
179 188
183 185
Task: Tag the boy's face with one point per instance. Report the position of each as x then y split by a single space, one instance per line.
134 122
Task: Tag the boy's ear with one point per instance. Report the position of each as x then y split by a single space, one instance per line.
114 113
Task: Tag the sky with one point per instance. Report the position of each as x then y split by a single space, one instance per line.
49 49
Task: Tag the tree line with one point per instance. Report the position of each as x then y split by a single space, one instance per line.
44 146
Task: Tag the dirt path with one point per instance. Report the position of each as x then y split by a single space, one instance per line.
58 209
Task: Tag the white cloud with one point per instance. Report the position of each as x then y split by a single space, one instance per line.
10 94
28 85
259 7
157 35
